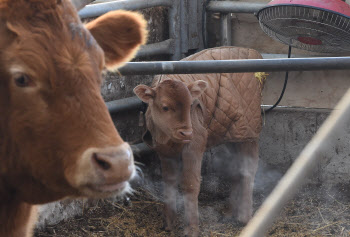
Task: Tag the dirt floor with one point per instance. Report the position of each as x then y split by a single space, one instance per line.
316 211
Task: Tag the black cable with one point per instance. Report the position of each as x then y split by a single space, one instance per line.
284 86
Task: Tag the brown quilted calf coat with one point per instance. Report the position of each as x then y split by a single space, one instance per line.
232 100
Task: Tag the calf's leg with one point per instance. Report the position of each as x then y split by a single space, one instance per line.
191 180
170 173
245 161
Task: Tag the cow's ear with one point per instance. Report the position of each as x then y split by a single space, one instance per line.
145 93
120 34
197 88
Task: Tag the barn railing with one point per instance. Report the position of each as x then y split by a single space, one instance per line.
178 44
236 66
228 7
222 66
182 36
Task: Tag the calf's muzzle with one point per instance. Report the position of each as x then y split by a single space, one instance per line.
184 134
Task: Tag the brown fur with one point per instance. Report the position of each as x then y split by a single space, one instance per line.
188 112
46 127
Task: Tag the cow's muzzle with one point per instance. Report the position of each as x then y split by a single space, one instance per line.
106 171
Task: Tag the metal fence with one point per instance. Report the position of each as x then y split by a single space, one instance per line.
179 43
182 36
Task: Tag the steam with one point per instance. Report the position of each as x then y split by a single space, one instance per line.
53 213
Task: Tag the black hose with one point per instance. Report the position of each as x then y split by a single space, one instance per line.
284 87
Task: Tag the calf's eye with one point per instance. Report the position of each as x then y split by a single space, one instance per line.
22 81
165 108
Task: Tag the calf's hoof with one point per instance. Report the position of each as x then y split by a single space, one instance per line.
239 220
191 231
168 225
243 220
244 217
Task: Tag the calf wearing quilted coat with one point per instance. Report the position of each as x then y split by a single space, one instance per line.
188 114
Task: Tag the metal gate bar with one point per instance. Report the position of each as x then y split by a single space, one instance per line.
164 47
123 105
233 66
301 168
234 7
171 46
99 9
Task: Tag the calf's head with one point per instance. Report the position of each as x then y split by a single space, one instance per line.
169 106
57 138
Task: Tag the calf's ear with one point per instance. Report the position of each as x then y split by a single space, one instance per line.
120 34
197 88
145 93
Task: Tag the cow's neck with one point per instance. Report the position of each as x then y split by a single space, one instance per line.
17 218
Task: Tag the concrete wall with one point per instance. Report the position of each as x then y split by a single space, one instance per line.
287 131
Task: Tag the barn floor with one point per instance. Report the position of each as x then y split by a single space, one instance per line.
316 211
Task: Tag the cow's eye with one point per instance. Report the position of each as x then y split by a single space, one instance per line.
22 80
165 108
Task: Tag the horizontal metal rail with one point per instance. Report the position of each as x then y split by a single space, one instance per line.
234 66
123 105
134 103
234 7
164 47
300 170
94 10
141 149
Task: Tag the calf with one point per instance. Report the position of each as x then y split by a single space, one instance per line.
57 138
189 113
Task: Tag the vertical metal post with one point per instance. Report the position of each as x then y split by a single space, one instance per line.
204 21
225 22
201 15
184 19
195 26
175 28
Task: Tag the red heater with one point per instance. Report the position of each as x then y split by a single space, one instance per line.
313 25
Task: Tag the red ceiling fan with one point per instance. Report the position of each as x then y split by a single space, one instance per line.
313 25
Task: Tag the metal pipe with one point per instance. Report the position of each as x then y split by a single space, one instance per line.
175 28
234 7
123 105
164 47
79 4
225 23
141 149
233 66
301 168
99 9
184 23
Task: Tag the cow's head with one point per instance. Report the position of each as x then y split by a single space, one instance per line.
57 138
169 105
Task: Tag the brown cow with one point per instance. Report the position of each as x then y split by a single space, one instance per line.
57 138
187 114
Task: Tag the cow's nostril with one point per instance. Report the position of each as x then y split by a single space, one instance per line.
100 162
